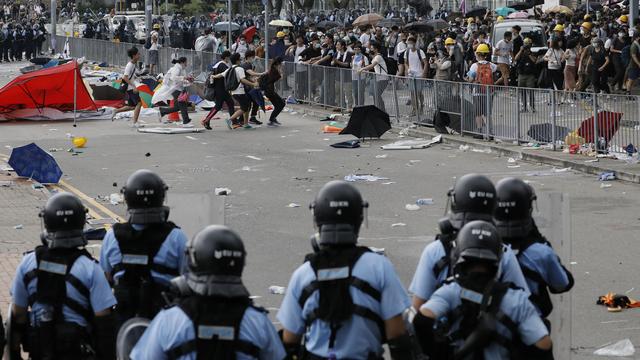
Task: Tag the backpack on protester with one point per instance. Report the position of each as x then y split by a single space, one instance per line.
231 82
147 43
484 76
392 65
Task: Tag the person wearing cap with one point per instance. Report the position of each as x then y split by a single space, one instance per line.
526 65
479 74
502 55
623 19
278 48
153 49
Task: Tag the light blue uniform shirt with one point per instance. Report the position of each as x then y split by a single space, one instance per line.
171 254
515 304
358 336
543 260
425 283
172 327
85 269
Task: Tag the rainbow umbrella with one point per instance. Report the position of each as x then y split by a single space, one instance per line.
145 95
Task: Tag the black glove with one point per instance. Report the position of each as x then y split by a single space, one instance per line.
401 348
105 336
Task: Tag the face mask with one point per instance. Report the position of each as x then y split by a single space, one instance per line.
596 45
450 48
242 42
620 35
411 46
350 34
476 281
318 46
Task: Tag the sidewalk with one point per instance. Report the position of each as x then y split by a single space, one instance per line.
559 159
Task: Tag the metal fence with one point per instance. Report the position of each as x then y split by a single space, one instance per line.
522 115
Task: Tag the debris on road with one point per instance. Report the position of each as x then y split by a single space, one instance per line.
169 131
412 144
363 177
607 176
412 207
383 156
6 183
424 201
37 186
147 154
277 290
350 144
5 167
115 198
254 157
604 186
398 225
55 149
621 348
293 205
222 191
18 227
617 301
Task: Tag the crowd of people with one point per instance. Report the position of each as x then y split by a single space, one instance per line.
22 31
481 289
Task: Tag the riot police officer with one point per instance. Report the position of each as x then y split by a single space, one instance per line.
213 316
472 198
344 299
476 316
66 292
142 255
540 265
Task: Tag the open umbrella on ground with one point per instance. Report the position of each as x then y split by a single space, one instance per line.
419 27
324 25
367 122
367 19
519 15
224 26
146 94
390 22
559 9
476 11
249 32
608 125
438 24
33 162
504 11
523 5
280 23
544 132
106 92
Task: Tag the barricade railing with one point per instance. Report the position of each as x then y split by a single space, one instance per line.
522 115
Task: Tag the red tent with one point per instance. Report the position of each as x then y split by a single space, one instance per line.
50 87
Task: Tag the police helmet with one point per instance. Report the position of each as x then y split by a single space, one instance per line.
514 205
472 198
64 217
144 194
478 242
338 212
216 258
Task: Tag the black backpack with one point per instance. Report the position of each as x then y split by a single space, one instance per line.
392 65
231 81
147 43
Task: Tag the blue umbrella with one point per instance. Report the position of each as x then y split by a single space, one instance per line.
33 162
504 11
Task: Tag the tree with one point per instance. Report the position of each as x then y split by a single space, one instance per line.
341 4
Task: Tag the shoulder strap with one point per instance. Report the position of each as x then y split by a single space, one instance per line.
444 262
146 242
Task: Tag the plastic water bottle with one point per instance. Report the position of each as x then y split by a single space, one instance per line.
427 201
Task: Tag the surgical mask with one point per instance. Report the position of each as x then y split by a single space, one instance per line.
620 35
583 31
411 46
350 34
318 46
242 42
450 48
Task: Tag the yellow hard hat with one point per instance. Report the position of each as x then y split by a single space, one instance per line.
482 49
280 34
586 25
623 18
559 27
156 26
449 41
469 20
587 17
528 41
499 19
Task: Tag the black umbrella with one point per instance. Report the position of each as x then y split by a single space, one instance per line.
544 132
324 25
419 26
593 6
390 22
367 122
476 11
106 92
438 24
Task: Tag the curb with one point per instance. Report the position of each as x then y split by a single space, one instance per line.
534 156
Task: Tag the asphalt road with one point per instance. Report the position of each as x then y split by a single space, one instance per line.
268 169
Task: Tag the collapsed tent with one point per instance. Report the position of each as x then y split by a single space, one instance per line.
47 88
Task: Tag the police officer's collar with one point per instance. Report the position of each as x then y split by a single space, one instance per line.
217 285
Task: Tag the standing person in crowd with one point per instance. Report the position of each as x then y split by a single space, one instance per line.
553 57
443 66
131 96
328 88
414 65
358 81
301 76
173 87
482 73
503 54
234 83
516 39
308 56
240 47
220 93
570 70
153 49
342 62
252 75
633 69
271 77
598 62
620 41
379 66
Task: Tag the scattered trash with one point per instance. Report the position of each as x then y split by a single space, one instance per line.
169 131
222 191
620 348
6 183
574 263
5 167
412 207
604 186
398 225
513 166
277 290
79 141
591 161
358 177
412 144
512 161
484 151
617 302
328 129
377 250
147 154
115 198
293 205
425 201
55 149
311 170
561 170
388 183
190 137
18 227
405 131
384 156
350 144
607 176
37 186
254 157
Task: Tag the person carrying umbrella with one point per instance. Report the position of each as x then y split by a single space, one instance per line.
132 98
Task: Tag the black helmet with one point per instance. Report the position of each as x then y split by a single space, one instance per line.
64 217
478 242
338 211
216 258
514 205
144 194
472 198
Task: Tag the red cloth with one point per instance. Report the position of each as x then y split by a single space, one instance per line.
608 125
110 103
50 87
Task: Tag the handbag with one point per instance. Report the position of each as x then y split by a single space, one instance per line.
183 97
543 78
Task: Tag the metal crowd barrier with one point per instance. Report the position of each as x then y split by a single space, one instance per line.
522 115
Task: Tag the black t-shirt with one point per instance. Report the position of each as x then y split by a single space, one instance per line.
526 66
218 84
247 66
328 51
309 53
517 44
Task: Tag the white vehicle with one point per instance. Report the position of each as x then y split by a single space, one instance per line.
532 29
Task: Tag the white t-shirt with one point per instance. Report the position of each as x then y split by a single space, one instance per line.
400 48
503 52
130 71
154 40
357 63
473 70
415 64
364 39
240 74
380 67
554 59
240 49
